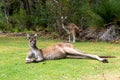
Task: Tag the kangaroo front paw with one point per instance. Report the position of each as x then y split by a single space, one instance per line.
27 62
105 61
35 61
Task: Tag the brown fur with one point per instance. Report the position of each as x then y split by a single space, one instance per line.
71 29
56 51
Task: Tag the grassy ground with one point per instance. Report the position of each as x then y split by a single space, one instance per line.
14 49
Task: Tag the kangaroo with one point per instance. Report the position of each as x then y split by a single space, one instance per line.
56 51
71 29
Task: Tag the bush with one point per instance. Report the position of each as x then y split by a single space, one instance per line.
45 13
106 11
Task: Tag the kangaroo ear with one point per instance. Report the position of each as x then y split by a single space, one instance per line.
28 36
65 17
61 17
35 35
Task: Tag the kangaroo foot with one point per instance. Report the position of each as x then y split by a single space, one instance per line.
105 61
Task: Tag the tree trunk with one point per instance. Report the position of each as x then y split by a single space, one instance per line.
25 5
6 12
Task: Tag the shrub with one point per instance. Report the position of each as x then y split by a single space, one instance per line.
106 11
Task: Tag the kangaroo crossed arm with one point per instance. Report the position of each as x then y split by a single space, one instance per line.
34 56
68 32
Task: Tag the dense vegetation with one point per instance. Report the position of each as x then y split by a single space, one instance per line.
21 15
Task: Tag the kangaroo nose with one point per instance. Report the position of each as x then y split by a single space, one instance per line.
30 40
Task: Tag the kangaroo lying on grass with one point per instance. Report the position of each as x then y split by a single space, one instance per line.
57 51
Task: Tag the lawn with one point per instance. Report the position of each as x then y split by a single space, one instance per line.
14 49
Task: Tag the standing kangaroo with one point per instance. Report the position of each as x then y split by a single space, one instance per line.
56 51
70 28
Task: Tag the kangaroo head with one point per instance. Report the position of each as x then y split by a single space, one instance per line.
64 19
32 40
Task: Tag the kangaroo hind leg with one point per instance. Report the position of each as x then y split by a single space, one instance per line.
75 56
72 51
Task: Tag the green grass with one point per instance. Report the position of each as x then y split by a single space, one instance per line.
13 51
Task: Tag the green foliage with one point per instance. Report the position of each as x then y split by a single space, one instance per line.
14 49
2 22
2 18
31 15
107 11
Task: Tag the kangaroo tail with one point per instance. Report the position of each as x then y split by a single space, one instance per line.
107 56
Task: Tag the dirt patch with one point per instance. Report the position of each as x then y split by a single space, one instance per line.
42 34
104 77
111 77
